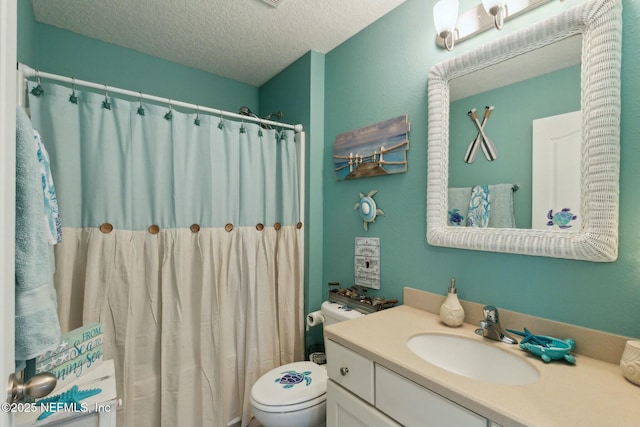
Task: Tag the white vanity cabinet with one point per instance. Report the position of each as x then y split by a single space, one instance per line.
345 409
363 393
413 405
351 370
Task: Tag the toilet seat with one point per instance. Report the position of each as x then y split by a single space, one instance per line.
291 387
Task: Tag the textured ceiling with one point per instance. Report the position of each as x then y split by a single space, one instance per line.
245 40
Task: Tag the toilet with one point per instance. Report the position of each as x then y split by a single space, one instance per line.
295 394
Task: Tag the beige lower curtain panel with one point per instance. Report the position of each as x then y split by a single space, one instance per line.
191 320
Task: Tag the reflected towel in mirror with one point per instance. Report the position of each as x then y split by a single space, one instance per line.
479 206
502 214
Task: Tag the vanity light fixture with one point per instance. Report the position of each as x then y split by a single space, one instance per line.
445 16
491 13
497 9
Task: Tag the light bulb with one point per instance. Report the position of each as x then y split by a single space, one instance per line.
497 9
445 16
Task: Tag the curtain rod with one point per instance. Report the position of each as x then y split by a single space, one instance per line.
29 72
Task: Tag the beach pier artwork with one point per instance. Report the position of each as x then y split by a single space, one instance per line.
377 149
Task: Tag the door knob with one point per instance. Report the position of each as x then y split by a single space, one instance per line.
344 371
38 386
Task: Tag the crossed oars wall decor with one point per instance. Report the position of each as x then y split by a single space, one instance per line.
481 139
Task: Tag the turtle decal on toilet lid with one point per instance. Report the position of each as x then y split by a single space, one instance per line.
291 378
290 384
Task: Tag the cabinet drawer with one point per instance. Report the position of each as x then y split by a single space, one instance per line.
413 405
351 370
344 409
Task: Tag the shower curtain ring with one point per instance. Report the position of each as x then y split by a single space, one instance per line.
197 119
106 104
37 91
169 114
220 123
140 108
73 98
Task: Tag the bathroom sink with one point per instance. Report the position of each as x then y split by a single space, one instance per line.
473 359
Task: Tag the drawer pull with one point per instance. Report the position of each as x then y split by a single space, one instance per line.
344 371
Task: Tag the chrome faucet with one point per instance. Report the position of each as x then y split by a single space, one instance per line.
490 326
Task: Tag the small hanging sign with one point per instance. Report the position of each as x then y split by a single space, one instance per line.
367 262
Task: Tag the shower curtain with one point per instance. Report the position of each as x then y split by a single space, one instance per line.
181 235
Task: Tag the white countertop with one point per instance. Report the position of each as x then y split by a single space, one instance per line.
590 393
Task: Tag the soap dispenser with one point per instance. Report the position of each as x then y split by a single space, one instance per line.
451 312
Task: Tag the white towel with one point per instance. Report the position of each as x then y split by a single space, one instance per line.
502 214
36 322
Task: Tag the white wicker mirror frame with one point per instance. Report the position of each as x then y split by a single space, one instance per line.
600 23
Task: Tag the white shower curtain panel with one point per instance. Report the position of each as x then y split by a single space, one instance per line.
191 318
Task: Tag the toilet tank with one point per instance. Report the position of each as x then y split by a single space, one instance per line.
334 312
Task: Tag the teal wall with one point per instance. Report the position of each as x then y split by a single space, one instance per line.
26 33
381 73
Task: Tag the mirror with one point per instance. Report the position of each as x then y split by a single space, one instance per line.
595 26
550 86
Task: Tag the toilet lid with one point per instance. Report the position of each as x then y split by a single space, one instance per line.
290 384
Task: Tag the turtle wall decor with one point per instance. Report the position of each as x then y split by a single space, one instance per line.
367 209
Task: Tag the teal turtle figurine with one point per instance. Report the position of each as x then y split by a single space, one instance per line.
553 349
